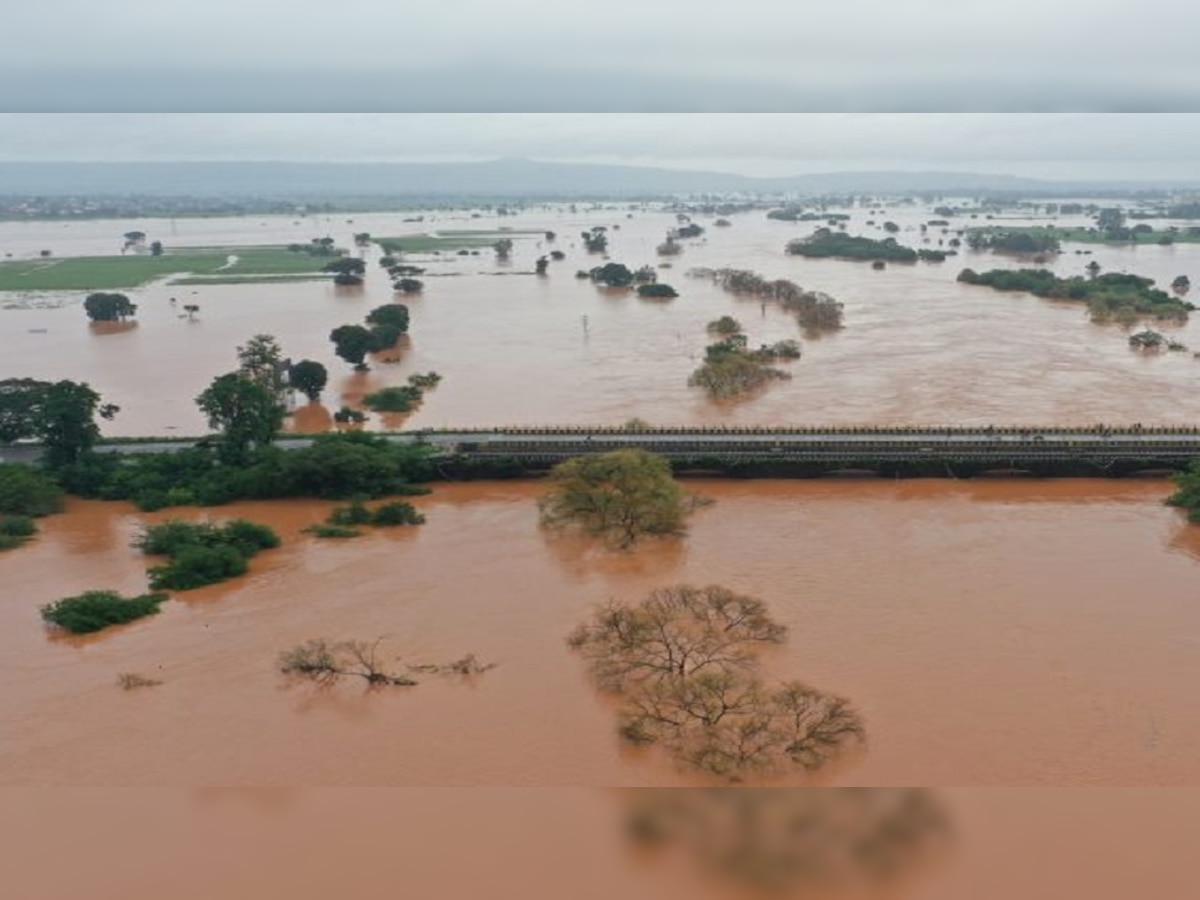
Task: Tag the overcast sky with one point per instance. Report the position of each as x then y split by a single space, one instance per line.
600 55
1055 145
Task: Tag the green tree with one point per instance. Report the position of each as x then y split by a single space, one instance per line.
309 378
596 241
156 248
393 314
614 275
246 413
261 360
20 400
348 270
102 307
66 421
349 265
408 286
620 496
352 343
503 248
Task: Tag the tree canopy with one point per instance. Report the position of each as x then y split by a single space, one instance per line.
61 415
309 378
105 307
247 414
352 343
683 664
621 496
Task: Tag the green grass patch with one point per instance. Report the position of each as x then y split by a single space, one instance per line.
252 279
97 273
448 240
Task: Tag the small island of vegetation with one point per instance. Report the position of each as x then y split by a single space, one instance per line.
1111 297
825 243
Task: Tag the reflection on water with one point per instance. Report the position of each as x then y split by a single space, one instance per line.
529 844
795 842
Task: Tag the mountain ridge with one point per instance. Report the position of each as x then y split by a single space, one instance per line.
498 177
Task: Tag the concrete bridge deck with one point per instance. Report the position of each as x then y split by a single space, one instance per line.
1096 450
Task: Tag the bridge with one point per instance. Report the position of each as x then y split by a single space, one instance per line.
1095 451
786 451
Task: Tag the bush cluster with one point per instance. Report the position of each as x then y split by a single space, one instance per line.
334 467
1113 296
826 243
343 521
26 491
202 553
95 610
404 398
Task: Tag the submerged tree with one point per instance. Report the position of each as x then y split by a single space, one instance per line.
352 343
621 496
103 307
684 663
309 378
325 662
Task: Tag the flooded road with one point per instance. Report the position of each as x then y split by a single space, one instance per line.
513 349
990 632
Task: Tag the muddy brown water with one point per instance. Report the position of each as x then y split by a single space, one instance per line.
991 633
917 348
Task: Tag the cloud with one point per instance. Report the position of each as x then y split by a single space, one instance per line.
612 56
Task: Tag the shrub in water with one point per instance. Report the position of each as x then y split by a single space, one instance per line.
196 566
397 513
25 491
94 610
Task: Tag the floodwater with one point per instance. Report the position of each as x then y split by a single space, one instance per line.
917 347
307 844
992 633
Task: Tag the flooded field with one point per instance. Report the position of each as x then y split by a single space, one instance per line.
991 633
514 349
1015 633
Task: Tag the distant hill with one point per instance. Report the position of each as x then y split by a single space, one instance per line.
496 178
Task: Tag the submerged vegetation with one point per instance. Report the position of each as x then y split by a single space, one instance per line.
96 610
1019 241
202 553
731 369
1109 297
683 664
834 244
403 398
326 662
343 521
815 312
333 467
621 497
